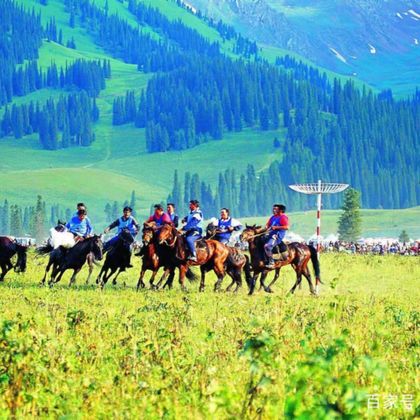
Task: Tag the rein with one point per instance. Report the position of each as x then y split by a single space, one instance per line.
259 234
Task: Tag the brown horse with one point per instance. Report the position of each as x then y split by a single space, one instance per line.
298 258
210 255
156 256
236 262
149 256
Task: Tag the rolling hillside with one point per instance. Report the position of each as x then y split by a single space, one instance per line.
117 162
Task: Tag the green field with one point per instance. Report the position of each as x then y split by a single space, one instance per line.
80 352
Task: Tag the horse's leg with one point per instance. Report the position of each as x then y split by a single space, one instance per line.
3 272
98 279
57 279
163 277
114 281
152 279
220 276
276 276
182 273
73 277
203 279
106 277
238 280
47 269
231 274
262 280
55 270
253 282
90 264
170 280
298 280
307 274
140 282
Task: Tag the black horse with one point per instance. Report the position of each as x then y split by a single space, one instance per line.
117 258
8 248
72 259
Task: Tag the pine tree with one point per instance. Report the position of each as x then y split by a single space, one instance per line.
108 213
133 202
39 220
350 221
404 237
115 211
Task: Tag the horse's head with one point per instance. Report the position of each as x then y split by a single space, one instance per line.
167 235
21 251
148 233
97 247
248 234
126 236
211 230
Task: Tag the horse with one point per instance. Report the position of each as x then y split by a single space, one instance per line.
155 256
298 258
236 262
117 258
211 254
8 248
74 258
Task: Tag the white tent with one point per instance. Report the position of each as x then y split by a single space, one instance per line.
293 237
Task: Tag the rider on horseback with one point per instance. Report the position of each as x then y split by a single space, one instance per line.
193 227
82 206
277 226
225 226
170 207
79 225
126 221
159 217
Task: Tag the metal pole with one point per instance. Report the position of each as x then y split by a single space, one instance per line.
318 230
318 216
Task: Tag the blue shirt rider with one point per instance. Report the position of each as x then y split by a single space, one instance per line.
277 225
225 226
82 206
78 225
126 221
170 209
193 227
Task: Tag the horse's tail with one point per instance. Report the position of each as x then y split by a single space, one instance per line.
191 275
44 249
247 269
315 263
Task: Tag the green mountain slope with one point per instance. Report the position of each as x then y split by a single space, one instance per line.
117 162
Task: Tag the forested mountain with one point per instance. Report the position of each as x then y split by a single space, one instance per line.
377 41
201 82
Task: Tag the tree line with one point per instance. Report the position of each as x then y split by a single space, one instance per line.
21 35
35 220
72 115
89 75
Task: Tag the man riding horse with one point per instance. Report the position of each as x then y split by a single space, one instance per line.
159 217
170 208
124 223
225 226
79 225
276 226
193 227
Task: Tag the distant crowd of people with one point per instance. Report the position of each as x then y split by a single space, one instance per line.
395 248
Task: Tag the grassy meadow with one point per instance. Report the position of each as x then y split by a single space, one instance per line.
80 352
